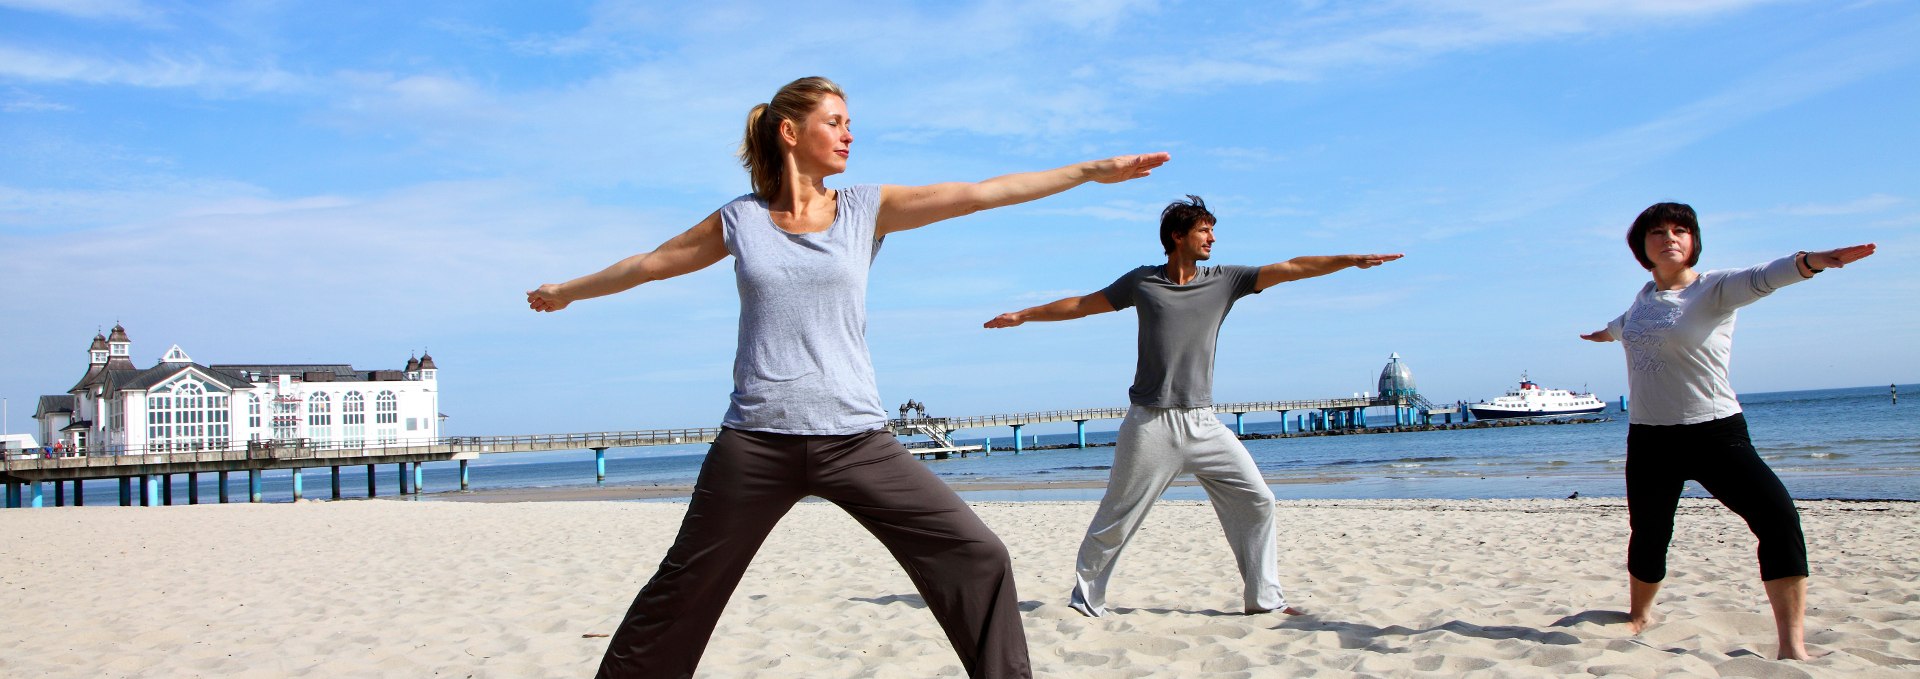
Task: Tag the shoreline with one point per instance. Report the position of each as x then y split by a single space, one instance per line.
996 491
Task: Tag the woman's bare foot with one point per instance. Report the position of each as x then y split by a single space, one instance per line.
1639 621
1640 603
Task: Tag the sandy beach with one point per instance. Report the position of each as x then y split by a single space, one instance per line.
522 589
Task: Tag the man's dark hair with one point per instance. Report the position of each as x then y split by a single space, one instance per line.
1180 217
1679 214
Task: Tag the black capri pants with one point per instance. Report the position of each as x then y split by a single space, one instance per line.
1720 456
750 479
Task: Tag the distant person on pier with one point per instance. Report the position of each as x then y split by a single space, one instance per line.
1684 421
1171 429
805 417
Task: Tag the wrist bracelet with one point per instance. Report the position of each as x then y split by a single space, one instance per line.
1806 260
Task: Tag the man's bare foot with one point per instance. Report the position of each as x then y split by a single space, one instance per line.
1288 610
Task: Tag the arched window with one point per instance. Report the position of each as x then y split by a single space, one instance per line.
386 408
353 416
319 417
286 416
184 416
386 417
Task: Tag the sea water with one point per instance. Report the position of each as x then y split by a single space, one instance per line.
1832 443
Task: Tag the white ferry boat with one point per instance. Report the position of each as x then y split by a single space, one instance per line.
1530 400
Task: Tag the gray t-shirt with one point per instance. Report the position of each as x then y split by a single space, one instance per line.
1179 327
1679 343
802 365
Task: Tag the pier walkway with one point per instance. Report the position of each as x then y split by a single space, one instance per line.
148 473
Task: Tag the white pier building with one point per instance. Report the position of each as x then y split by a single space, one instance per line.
179 405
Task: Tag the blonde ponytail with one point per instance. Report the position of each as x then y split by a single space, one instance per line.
760 151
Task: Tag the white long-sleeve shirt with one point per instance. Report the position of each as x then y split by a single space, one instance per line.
1679 343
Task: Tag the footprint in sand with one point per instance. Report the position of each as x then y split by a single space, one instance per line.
1216 630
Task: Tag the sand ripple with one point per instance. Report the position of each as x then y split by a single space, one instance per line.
1395 588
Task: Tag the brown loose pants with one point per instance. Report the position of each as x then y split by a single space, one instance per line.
750 479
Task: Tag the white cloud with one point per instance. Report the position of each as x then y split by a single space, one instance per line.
22 101
1316 42
116 10
1878 202
159 71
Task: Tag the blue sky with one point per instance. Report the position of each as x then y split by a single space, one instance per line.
350 183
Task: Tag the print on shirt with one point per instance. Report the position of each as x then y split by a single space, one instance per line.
1646 332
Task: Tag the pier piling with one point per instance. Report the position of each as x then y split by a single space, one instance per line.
599 468
463 475
253 485
296 485
193 488
1016 439
336 482
372 482
223 487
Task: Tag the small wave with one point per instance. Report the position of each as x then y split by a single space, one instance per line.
1425 459
1858 442
1095 467
1828 455
1406 465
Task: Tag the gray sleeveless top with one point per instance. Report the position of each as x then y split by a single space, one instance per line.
802 365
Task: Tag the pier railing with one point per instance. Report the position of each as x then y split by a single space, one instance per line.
309 449
339 451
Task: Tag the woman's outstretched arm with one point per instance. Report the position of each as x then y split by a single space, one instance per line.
911 207
1747 286
695 249
1815 262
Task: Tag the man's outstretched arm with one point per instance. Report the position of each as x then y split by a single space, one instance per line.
1319 265
1057 310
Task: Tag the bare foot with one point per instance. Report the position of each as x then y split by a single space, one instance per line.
1639 622
1800 653
1288 610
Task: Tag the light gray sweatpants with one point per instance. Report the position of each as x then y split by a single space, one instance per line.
1156 445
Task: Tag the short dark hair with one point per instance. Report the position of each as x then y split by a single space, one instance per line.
1678 214
1180 217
